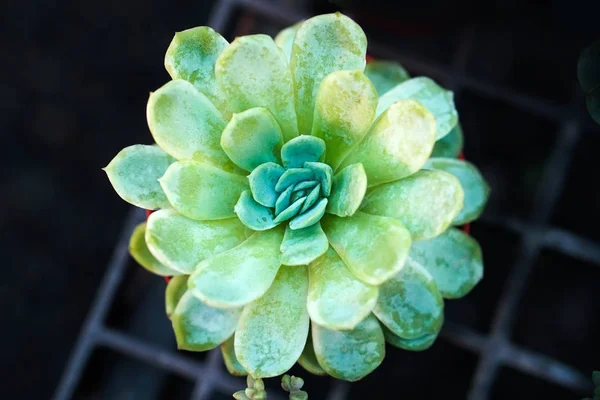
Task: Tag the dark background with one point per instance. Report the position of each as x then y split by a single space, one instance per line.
75 80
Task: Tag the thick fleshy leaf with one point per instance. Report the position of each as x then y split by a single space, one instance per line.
181 243
417 344
272 331
453 259
255 216
134 174
336 298
308 359
253 72
231 362
187 125
439 101
310 216
240 275
426 203
291 210
322 45
348 190
201 191
285 39
199 327
451 145
385 75
262 183
374 248
474 186
140 252
302 246
292 177
349 355
398 144
192 55
323 174
302 149
252 138
344 110
176 288
409 304
311 198
284 199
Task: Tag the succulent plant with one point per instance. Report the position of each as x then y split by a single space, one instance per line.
296 192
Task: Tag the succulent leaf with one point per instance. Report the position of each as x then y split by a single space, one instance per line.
252 138
426 203
348 190
308 359
351 354
140 253
192 55
181 243
439 101
285 39
344 110
310 216
176 288
134 174
397 145
272 330
451 145
409 304
199 327
253 72
254 215
453 259
474 186
262 183
323 174
303 246
322 45
241 275
418 344
385 75
336 298
185 124
302 149
374 248
231 362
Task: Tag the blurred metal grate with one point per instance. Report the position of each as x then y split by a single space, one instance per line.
494 349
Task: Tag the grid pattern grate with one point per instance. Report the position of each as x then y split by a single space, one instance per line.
494 349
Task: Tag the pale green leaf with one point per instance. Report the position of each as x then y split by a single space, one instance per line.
398 144
336 298
187 125
348 190
302 149
134 174
418 344
350 355
285 39
255 216
201 191
474 186
192 55
140 252
385 75
344 110
252 138
272 331
374 248
230 359
426 203
253 72
450 145
199 327
302 246
453 259
308 359
181 243
240 275
439 101
322 45
409 304
176 288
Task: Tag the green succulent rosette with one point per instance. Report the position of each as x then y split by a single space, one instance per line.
300 212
